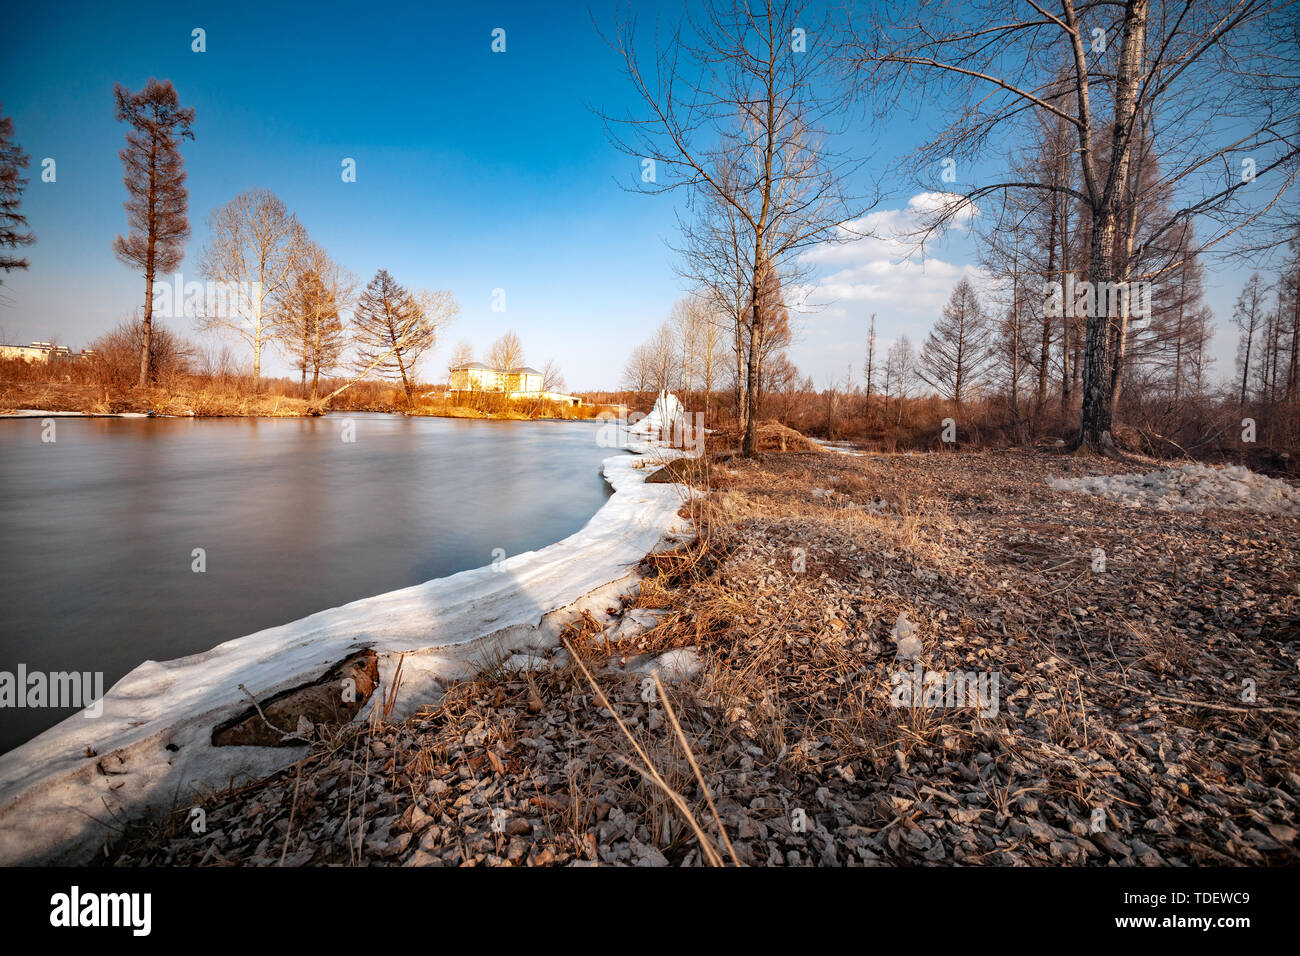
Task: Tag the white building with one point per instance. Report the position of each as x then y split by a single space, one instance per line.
37 352
515 383
477 377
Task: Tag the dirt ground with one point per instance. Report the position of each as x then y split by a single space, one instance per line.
1128 694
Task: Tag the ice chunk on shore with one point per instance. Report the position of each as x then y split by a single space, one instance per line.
667 417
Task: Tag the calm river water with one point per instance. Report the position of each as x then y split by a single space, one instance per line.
98 529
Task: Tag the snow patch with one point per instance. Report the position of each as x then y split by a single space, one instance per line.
1191 487
842 447
667 417
681 663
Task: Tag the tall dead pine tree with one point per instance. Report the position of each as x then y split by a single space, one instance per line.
13 224
158 203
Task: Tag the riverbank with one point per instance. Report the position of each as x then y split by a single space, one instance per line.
19 398
66 793
25 399
1144 710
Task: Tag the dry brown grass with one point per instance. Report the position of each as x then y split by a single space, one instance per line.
182 400
769 435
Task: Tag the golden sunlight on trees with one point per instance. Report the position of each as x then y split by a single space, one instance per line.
13 224
394 328
255 251
157 206
754 153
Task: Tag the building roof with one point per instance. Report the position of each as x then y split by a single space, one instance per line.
525 371
479 365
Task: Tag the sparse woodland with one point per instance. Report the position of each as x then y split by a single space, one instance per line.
1089 325
1116 182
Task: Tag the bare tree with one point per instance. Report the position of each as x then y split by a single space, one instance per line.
1248 316
715 254
552 377
1006 261
1182 78
438 310
957 351
664 358
637 375
735 109
254 252
506 353
310 307
158 203
869 370
460 356
711 350
687 319
1271 349
13 224
1177 330
900 373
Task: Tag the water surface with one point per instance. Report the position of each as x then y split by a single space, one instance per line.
98 529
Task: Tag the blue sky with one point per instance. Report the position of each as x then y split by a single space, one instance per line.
475 171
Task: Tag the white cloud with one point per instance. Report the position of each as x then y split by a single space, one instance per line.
885 267
883 272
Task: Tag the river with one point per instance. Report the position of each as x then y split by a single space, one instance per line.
99 528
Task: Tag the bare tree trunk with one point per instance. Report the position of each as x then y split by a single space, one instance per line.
871 361
406 383
146 347
751 372
146 343
1293 373
257 351
1067 339
1095 418
739 351
1045 346
1130 208
1095 425
1246 362
1015 346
